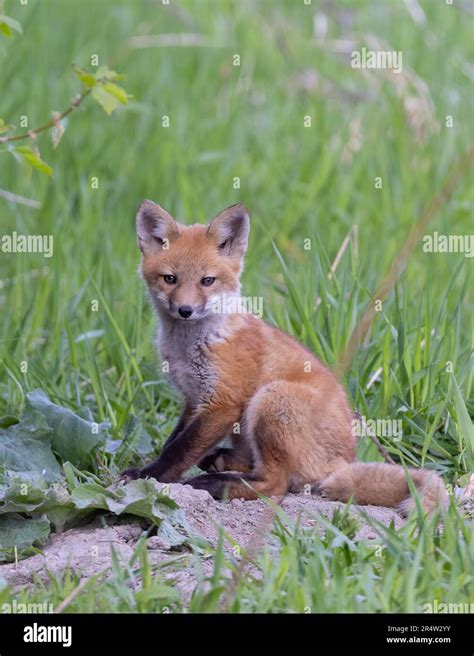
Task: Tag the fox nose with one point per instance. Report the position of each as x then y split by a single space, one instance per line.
185 311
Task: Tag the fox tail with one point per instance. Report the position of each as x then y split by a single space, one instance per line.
380 484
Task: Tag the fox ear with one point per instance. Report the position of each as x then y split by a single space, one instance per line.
230 230
156 228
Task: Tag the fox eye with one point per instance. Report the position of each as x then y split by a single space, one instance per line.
207 281
169 279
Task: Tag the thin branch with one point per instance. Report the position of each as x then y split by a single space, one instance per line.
71 596
22 200
351 235
382 450
372 436
51 123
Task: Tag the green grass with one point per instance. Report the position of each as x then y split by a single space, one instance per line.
317 570
299 184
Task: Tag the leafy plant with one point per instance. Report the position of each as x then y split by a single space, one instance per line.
42 487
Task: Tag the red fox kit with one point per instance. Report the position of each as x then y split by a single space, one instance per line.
286 414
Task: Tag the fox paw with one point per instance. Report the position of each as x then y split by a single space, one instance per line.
212 483
129 475
214 462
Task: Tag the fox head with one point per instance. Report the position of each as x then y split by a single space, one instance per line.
189 269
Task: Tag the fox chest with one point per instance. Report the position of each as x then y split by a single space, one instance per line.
189 368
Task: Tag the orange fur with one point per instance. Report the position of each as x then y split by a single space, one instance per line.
286 414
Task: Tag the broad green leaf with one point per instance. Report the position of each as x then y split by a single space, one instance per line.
73 438
25 448
117 92
29 493
144 498
87 79
8 420
108 99
28 156
33 483
105 73
22 492
16 531
102 75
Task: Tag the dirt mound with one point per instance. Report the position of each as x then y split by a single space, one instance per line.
87 550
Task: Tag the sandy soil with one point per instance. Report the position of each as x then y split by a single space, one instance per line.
87 549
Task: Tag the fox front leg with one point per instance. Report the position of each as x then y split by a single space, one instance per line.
183 421
189 446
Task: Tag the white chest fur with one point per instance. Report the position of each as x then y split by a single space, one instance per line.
184 348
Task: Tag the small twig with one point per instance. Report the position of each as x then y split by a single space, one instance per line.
374 378
72 595
22 200
351 235
368 431
51 123
383 451
339 255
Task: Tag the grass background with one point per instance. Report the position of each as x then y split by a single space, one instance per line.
299 183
